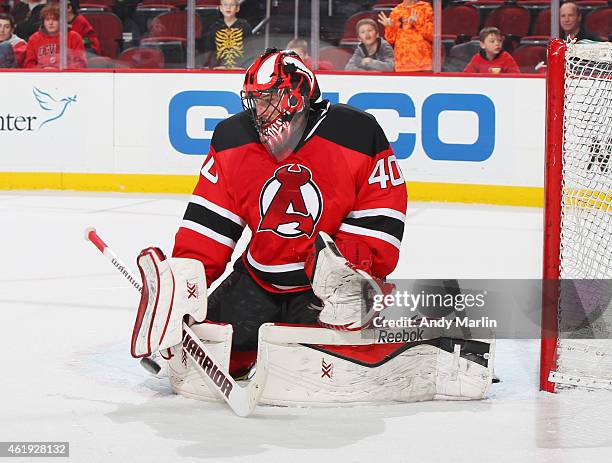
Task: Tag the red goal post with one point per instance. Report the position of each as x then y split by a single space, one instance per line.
578 207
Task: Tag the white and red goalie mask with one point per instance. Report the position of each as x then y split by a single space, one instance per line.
277 91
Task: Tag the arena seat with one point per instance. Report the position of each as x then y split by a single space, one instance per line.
144 14
93 8
542 23
460 55
462 21
600 22
174 3
109 30
142 58
172 25
511 20
96 5
527 56
338 56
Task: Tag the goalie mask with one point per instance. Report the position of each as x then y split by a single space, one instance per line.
278 89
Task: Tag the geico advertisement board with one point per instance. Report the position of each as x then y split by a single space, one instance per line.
442 129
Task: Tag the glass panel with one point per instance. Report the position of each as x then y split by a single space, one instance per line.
228 34
517 44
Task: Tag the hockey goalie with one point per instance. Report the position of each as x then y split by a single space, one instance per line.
322 193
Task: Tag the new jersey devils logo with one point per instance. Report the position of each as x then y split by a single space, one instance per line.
290 203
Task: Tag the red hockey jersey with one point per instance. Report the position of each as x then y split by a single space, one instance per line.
342 179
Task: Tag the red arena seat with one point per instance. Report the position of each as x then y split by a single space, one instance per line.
527 56
338 56
510 20
460 20
600 22
142 58
172 25
109 30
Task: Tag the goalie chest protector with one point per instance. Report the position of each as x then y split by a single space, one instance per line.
342 179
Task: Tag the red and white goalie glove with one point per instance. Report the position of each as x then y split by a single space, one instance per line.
171 289
347 292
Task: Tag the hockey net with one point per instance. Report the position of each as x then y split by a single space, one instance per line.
577 307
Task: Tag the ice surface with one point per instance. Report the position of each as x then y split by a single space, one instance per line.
66 319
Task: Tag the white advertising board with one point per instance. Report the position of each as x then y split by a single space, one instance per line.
444 130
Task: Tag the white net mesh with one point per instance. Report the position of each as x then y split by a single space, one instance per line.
585 308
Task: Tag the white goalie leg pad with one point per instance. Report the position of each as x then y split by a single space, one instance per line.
459 378
172 288
344 290
186 378
302 370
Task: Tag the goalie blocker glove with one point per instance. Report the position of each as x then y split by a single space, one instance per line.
171 289
346 291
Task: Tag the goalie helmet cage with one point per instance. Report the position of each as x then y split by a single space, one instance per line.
578 212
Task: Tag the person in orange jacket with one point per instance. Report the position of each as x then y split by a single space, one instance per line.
409 28
42 50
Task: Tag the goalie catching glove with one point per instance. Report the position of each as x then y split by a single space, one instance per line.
347 292
171 289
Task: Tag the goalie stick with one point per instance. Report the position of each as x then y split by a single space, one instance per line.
242 400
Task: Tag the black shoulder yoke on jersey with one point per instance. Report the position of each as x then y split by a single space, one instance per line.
354 129
234 131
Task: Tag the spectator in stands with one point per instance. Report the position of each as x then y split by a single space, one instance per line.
7 57
43 47
27 17
300 46
409 28
7 36
226 40
570 20
78 23
373 52
491 58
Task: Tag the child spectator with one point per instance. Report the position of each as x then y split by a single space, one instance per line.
7 36
227 37
491 58
43 47
409 28
78 23
373 52
300 46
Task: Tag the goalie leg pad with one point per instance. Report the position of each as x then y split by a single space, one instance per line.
172 288
185 378
322 367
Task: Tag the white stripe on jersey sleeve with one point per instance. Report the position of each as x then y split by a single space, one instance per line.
376 212
207 232
392 240
218 210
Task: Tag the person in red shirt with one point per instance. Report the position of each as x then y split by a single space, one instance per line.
78 23
492 59
43 47
7 35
